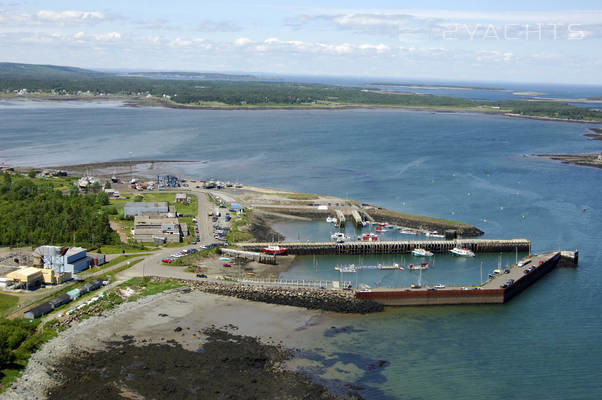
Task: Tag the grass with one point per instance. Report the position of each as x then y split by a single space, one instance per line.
237 235
144 286
298 196
119 249
7 303
113 262
194 258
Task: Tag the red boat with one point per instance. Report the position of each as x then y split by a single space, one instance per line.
369 237
274 250
421 266
381 229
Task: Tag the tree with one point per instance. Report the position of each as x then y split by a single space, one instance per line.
31 173
107 184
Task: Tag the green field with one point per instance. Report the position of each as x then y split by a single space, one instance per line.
7 303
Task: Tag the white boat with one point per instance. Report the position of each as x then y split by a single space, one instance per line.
435 234
331 220
419 267
408 232
418 252
462 252
339 237
345 268
394 266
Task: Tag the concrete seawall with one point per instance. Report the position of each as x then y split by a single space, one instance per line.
494 291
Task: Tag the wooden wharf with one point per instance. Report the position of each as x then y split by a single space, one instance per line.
396 247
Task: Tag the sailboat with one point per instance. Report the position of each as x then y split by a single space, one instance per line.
419 284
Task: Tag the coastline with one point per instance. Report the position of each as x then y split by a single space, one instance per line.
179 319
136 101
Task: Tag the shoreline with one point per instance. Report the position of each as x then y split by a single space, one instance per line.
179 323
135 101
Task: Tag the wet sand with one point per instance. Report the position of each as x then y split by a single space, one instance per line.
179 319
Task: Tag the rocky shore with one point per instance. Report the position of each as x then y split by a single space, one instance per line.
341 301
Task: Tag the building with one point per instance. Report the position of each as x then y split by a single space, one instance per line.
60 300
30 277
53 278
133 208
149 229
182 198
38 311
62 259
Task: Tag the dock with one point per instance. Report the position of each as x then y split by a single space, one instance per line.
340 218
357 218
395 247
494 291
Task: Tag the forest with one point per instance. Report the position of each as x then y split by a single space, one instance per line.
33 213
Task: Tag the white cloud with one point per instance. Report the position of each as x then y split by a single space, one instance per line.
108 37
68 16
242 41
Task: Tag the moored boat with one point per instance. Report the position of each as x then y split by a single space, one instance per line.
421 266
369 237
274 250
462 252
339 237
418 252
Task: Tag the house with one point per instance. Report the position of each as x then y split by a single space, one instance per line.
151 229
133 208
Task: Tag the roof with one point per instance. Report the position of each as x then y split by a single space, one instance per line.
25 272
235 206
74 250
149 220
181 196
146 205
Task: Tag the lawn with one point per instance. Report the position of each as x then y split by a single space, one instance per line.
7 303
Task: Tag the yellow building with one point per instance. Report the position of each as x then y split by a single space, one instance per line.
29 276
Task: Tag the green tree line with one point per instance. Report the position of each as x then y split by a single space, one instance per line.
36 213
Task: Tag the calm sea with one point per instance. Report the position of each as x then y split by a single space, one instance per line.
544 344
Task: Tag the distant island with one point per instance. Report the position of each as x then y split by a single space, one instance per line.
191 90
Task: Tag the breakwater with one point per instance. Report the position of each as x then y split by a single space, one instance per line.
314 299
396 247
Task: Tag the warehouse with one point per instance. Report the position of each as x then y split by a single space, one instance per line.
149 229
38 311
133 208
29 277
60 300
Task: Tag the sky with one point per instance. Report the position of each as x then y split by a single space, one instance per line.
512 41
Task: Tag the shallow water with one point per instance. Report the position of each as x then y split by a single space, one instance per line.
544 344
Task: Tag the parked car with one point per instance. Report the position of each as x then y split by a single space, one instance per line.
201 276
506 271
167 260
227 265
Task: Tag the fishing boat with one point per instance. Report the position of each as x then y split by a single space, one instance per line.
381 229
457 251
418 252
331 220
421 266
274 250
339 237
369 237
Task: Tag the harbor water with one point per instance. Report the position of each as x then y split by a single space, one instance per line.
474 168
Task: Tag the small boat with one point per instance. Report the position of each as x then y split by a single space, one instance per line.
421 266
381 229
418 252
339 237
345 268
274 250
114 179
369 237
435 234
408 232
462 252
331 220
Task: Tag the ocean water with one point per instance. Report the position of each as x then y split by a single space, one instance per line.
544 344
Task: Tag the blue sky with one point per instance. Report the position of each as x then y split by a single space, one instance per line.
530 41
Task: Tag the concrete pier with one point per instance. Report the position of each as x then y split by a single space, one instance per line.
494 291
396 247
357 218
340 218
